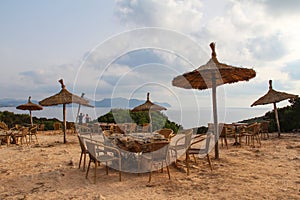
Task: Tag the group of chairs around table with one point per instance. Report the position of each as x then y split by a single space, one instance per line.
252 133
18 134
162 153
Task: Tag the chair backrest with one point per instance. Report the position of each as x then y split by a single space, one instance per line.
166 132
33 129
57 126
117 129
106 133
132 127
254 128
221 126
146 127
159 150
41 127
91 147
105 127
264 126
3 126
183 139
24 131
96 128
70 125
188 137
229 129
82 143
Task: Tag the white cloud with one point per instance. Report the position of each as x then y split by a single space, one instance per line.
184 16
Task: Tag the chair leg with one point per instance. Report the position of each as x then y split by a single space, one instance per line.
80 159
168 170
222 142
36 138
84 160
88 169
95 172
120 172
150 172
106 168
209 162
194 158
187 160
226 142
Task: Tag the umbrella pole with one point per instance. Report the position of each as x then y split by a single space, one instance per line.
82 95
277 119
30 118
215 115
78 113
65 123
150 119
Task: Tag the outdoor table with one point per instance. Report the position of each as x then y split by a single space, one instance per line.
132 146
136 142
237 132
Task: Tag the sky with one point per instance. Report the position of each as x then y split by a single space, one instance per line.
126 48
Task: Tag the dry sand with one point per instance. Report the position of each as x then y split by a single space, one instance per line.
49 170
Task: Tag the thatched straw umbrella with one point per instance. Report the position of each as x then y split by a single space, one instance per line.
148 106
64 97
211 75
30 106
273 97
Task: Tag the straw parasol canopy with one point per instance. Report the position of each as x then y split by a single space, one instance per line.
148 106
273 97
30 106
211 75
64 97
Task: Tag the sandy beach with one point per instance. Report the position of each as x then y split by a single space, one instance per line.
49 170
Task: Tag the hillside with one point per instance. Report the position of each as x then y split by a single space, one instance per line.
105 103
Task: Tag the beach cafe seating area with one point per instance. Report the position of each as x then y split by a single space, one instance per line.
131 148
136 146
18 134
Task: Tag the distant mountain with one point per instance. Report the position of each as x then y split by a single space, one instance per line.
124 103
107 103
13 102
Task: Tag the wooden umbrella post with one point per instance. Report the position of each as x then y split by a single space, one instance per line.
215 115
277 118
65 123
30 118
78 111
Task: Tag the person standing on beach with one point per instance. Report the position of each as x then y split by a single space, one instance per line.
87 118
80 118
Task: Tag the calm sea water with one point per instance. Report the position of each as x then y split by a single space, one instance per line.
187 117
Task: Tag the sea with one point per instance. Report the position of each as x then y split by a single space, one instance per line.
187 117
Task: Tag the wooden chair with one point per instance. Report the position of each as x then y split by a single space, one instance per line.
32 132
104 127
195 149
117 129
57 126
132 127
5 134
84 151
228 131
158 155
146 128
264 129
222 135
251 132
20 134
182 143
41 127
98 153
166 132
